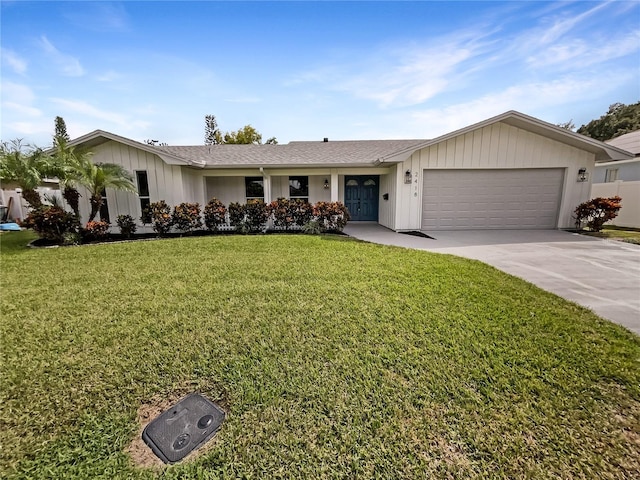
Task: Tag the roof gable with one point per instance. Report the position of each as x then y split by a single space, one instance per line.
98 137
602 151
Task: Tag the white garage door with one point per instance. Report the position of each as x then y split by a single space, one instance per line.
491 199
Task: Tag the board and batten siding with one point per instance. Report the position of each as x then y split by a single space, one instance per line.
165 181
387 208
495 146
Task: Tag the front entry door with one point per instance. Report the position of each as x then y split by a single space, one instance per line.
361 197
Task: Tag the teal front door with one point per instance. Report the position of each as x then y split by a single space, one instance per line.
361 196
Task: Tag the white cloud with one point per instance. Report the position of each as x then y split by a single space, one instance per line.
581 53
404 75
17 93
564 25
13 61
123 123
531 98
99 16
109 76
84 108
19 129
243 100
23 109
69 65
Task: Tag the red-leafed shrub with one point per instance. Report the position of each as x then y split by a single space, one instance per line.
51 223
596 212
256 215
95 230
236 214
302 212
332 216
186 217
215 214
160 214
282 212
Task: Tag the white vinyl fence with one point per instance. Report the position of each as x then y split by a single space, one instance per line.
629 214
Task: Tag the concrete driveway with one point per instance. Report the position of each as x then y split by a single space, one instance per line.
602 275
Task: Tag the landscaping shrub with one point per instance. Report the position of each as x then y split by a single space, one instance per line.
186 217
71 238
127 225
236 214
282 212
95 230
302 212
332 216
596 212
256 215
312 227
215 214
160 214
51 223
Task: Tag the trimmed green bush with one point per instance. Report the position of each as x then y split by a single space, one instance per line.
127 225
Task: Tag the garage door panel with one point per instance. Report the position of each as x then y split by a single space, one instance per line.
491 199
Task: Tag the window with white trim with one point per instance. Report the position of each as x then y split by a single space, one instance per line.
299 188
104 208
611 175
254 188
143 195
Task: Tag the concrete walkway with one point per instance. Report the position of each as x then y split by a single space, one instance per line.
602 275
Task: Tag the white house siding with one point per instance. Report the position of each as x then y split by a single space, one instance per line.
496 146
627 170
165 181
193 186
227 189
387 208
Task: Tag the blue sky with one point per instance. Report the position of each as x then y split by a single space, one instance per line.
308 70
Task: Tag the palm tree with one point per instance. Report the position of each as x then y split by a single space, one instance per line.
67 161
97 177
26 166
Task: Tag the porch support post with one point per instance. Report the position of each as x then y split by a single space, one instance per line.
334 186
267 185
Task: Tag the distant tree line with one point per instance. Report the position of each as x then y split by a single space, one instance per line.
245 136
620 119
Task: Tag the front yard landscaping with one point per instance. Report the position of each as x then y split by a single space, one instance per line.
629 235
333 358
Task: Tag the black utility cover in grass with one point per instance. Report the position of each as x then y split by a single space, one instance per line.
190 423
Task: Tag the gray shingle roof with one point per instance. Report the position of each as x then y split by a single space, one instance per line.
350 152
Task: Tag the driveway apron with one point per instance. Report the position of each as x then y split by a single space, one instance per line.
602 275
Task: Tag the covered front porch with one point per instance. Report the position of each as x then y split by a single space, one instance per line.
364 192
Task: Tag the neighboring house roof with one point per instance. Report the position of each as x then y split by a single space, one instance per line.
629 142
343 153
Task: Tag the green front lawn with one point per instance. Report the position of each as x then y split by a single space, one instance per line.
333 358
629 235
